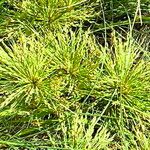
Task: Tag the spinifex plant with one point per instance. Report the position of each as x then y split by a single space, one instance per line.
65 88
40 78
43 15
123 88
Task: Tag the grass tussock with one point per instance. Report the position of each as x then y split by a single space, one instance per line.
63 87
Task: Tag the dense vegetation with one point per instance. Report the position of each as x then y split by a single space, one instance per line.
75 74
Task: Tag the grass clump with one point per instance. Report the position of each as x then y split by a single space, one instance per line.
43 16
123 84
42 79
63 87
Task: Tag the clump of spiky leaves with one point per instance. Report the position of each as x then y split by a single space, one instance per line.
123 90
39 78
42 79
35 67
43 15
